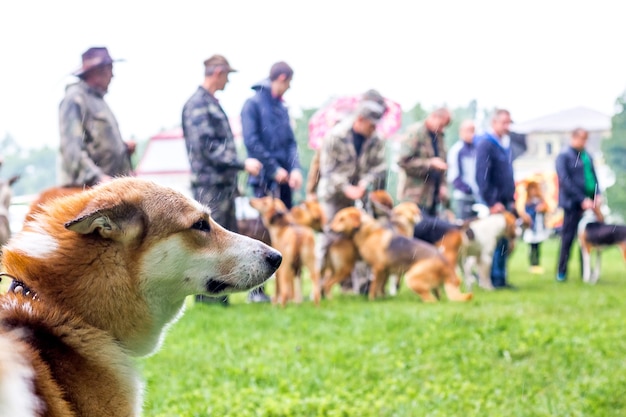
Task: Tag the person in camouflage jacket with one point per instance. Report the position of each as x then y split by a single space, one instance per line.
352 160
423 163
211 146
91 146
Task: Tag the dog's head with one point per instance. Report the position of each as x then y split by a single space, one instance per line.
124 255
273 211
346 221
381 203
309 213
407 212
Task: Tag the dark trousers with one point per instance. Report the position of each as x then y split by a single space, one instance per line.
498 266
283 191
534 254
571 218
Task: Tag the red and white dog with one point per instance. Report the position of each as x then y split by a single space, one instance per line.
97 277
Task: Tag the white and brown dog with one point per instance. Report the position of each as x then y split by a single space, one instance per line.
480 239
594 236
98 276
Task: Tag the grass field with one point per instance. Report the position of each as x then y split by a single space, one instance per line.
547 349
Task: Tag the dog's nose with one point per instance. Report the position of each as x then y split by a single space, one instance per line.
274 258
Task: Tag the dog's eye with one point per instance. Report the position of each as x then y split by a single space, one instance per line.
202 225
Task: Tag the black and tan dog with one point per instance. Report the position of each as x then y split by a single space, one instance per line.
297 245
97 278
593 237
424 268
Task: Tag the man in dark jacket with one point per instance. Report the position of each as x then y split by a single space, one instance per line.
578 191
496 186
211 149
268 136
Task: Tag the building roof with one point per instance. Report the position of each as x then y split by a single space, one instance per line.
566 121
165 154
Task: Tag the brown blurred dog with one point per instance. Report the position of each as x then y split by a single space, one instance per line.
339 259
297 245
309 213
423 267
446 236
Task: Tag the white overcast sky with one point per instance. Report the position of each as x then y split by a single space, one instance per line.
532 57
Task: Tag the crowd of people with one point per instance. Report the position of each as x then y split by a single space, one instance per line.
350 162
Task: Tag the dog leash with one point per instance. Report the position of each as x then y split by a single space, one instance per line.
18 287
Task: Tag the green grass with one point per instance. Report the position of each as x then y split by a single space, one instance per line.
548 349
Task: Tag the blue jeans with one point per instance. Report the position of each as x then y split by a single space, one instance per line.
498 266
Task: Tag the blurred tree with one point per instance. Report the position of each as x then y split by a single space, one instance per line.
36 167
614 151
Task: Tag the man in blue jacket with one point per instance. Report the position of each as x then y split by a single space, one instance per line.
268 136
578 191
496 185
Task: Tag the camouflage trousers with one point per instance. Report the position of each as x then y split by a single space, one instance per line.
221 201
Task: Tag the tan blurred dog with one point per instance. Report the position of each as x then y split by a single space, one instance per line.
309 213
297 245
424 268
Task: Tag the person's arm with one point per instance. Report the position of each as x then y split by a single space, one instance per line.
411 159
313 176
377 168
483 173
251 129
566 184
333 164
75 160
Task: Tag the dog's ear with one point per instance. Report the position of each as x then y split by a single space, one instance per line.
111 222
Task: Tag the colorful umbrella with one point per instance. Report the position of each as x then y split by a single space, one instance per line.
328 116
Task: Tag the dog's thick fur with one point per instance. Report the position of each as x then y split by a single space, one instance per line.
47 195
108 270
479 243
297 245
593 237
424 268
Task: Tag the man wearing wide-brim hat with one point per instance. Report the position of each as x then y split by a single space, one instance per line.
92 149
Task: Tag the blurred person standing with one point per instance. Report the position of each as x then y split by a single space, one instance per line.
268 136
423 163
351 163
461 172
578 191
314 169
532 208
496 184
91 147
211 149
